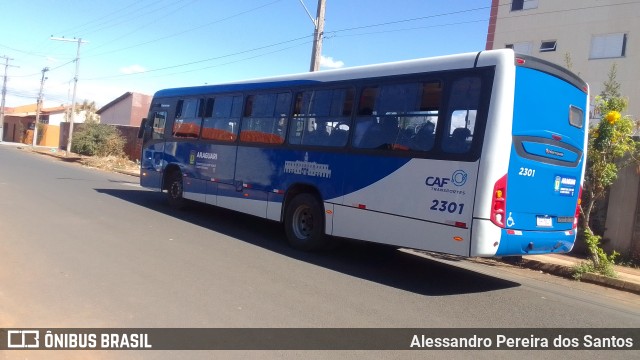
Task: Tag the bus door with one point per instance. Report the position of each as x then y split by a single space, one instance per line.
262 133
545 170
153 144
218 150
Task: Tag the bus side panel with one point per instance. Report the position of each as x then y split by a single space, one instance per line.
266 174
204 167
382 228
151 165
420 203
423 189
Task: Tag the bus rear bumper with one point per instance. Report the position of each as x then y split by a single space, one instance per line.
520 242
491 240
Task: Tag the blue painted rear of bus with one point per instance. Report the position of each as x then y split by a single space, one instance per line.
546 164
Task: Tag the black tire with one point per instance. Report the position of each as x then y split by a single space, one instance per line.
175 189
304 223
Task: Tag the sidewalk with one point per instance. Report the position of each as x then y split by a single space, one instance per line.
562 265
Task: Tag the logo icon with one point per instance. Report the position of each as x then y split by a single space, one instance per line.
21 339
459 178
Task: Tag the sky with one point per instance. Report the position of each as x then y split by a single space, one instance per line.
147 45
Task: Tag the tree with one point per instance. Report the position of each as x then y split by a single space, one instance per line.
610 148
89 109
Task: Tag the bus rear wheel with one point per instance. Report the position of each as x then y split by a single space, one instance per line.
175 190
304 223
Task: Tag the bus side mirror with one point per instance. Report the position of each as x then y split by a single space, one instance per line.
143 124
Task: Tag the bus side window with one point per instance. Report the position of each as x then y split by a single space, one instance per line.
463 108
221 118
321 117
159 121
265 118
422 124
365 117
188 118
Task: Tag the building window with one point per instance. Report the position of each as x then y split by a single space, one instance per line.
548 45
523 5
608 46
521 47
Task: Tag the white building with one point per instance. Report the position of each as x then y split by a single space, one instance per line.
590 35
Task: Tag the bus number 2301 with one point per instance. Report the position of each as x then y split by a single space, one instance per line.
527 172
451 207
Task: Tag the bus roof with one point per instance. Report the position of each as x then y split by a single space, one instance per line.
438 63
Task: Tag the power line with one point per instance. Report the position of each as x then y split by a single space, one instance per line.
409 20
231 62
109 16
203 60
147 13
145 24
188 30
331 35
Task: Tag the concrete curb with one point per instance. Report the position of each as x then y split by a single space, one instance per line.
58 155
567 272
76 158
127 172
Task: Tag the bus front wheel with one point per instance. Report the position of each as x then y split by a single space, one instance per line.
174 190
304 223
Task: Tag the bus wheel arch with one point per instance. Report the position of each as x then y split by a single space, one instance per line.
173 183
304 220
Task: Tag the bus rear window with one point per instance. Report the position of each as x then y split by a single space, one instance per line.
576 116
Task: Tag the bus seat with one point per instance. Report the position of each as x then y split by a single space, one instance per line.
382 133
458 141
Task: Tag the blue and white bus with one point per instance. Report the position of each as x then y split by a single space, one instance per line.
478 154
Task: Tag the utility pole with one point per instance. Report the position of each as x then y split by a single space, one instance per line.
4 94
38 108
75 85
318 24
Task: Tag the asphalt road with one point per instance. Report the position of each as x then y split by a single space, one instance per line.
86 248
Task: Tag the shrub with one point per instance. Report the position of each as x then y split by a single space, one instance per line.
97 140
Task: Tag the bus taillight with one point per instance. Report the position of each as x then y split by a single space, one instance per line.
498 202
576 217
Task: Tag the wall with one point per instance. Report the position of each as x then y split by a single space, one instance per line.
49 136
622 213
128 111
15 128
132 145
118 113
